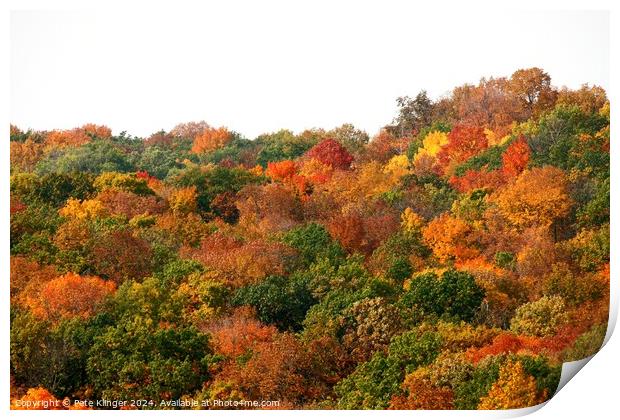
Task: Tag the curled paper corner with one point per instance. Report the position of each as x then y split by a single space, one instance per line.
569 370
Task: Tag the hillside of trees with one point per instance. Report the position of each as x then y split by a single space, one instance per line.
453 261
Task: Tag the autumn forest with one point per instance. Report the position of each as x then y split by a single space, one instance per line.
454 260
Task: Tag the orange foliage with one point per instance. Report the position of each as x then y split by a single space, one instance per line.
510 343
41 399
77 136
269 208
284 369
422 394
129 204
241 332
68 296
383 146
472 180
450 238
359 232
211 139
316 172
280 171
537 197
25 272
37 399
26 155
241 262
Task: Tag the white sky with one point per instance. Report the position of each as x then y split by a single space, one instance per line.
260 66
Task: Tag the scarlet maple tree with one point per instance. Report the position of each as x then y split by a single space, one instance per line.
330 152
516 157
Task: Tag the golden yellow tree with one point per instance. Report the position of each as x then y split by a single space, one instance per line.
84 210
513 389
537 198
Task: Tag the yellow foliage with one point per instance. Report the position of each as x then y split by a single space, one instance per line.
513 389
433 142
83 210
411 221
257 170
494 139
397 167
425 158
183 201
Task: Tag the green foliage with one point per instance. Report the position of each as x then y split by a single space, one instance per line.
122 182
136 359
595 212
455 295
158 161
467 394
505 260
539 318
313 242
178 270
400 270
490 159
52 189
282 145
94 157
50 356
392 256
212 181
471 207
557 141
278 300
547 376
373 383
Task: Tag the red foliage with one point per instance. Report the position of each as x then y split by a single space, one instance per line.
359 232
463 142
16 205
507 342
330 152
516 157
477 179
